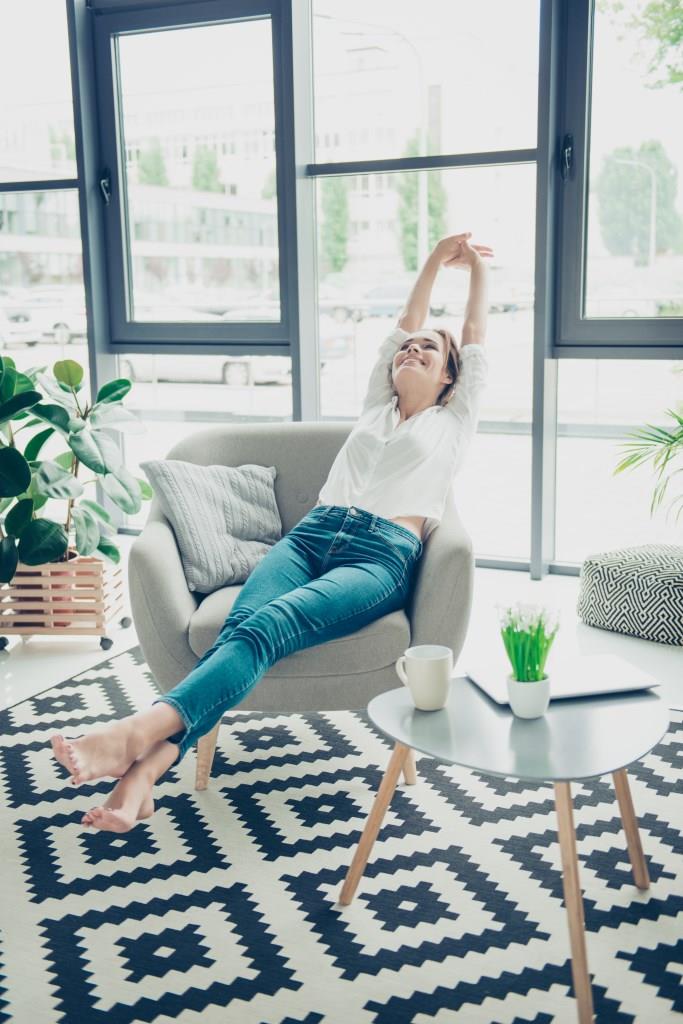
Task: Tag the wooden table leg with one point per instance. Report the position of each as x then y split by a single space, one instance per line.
372 826
641 876
409 770
573 902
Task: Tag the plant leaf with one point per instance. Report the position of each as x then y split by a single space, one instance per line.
87 531
18 517
15 473
113 391
42 541
8 383
146 492
32 449
124 490
54 482
9 559
96 450
14 405
65 460
57 415
65 398
109 550
113 416
69 372
97 509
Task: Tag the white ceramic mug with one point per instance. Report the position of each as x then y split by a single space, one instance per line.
426 671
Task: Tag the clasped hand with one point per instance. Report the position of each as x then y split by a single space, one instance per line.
456 251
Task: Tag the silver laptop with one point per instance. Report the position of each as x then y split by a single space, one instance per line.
575 676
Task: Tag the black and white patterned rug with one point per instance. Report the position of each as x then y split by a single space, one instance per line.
223 907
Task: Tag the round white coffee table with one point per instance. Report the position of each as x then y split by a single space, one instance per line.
575 739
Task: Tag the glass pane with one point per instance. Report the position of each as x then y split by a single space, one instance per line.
179 395
367 253
200 172
36 112
634 264
599 403
395 78
42 301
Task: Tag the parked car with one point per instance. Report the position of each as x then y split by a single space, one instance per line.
17 328
236 371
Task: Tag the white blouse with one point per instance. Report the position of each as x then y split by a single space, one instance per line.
406 469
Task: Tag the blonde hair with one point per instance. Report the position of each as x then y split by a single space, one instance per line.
451 364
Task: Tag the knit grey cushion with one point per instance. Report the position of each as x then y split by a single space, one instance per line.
225 518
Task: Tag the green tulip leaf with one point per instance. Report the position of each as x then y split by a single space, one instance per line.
25 400
42 541
109 550
32 449
113 391
54 482
69 372
124 490
54 414
9 559
18 517
87 531
96 450
15 473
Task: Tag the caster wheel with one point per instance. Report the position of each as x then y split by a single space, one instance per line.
4 641
125 622
106 643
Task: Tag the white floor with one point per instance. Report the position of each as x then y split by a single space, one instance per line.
28 668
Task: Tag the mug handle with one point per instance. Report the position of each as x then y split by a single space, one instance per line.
400 669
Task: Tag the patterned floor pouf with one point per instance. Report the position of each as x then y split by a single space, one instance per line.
222 907
637 591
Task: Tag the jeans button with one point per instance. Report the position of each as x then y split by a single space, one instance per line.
352 510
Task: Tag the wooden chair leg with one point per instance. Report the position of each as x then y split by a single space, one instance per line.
372 826
409 769
573 902
206 748
641 875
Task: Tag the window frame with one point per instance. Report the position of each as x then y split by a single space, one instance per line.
234 337
576 336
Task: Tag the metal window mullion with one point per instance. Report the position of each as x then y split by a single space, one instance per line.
102 362
306 361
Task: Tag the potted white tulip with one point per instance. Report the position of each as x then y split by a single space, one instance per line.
528 632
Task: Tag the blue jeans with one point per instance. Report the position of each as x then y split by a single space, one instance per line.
336 571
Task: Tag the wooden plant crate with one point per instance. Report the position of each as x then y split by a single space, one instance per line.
74 598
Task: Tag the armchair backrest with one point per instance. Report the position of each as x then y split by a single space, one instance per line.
302 453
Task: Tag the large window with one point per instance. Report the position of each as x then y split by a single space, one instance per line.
600 403
199 238
622 279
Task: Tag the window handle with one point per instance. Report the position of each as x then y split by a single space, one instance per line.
567 156
105 186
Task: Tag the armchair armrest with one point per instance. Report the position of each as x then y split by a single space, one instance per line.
161 603
441 601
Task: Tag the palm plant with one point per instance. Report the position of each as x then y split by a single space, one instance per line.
660 447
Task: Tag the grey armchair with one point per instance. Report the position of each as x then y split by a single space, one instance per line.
175 626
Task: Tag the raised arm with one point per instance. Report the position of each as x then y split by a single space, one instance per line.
452 251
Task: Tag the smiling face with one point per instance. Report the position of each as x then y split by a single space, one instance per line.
420 367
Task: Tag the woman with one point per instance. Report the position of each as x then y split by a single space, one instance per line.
345 564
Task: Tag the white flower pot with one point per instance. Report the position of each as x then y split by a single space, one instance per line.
529 700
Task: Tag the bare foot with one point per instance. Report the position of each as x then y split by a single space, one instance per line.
110 751
103 752
131 799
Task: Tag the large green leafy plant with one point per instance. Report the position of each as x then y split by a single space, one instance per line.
53 407
662 447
